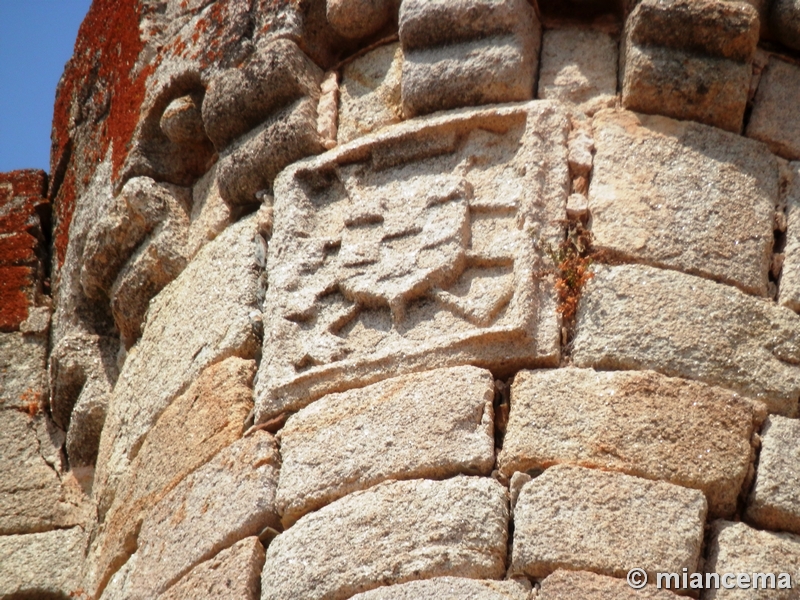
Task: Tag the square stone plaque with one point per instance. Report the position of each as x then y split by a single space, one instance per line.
419 247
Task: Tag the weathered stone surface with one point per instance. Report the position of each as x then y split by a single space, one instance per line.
640 423
775 499
391 533
229 498
637 317
358 18
579 67
369 95
233 574
784 21
210 213
690 60
450 588
776 118
353 440
415 249
83 369
41 565
789 289
711 213
197 425
566 585
467 53
582 519
737 548
201 317
23 371
32 496
24 217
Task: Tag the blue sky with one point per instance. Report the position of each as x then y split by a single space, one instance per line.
36 41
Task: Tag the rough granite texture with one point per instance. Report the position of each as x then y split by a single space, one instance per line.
583 519
567 585
737 548
431 425
640 423
228 499
391 533
711 213
41 565
450 588
789 289
23 371
205 315
233 574
776 118
774 502
638 317
198 424
579 67
413 249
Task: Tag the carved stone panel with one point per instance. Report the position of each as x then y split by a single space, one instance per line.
420 247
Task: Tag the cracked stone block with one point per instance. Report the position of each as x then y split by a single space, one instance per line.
784 21
710 214
789 288
775 119
566 585
204 315
579 67
23 371
391 533
689 60
774 502
369 94
33 497
230 498
198 424
210 213
41 565
233 574
608 523
635 317
450 588
413 249
353 440
637 422
467 53
736 548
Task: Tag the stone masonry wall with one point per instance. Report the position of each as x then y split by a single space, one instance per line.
387 299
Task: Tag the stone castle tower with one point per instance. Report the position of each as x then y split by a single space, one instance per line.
419 299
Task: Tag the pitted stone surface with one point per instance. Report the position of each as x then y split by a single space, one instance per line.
229 498
233 574
737 548
450 588
467 53
711 213
197 425
413 249
582 519
200 318
637 317
23 371
358 18
432 425
689 60
370 92
784 20
33 497
579 67
41 565
789 289
567 585
640 423
776 117
775 499
391 533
